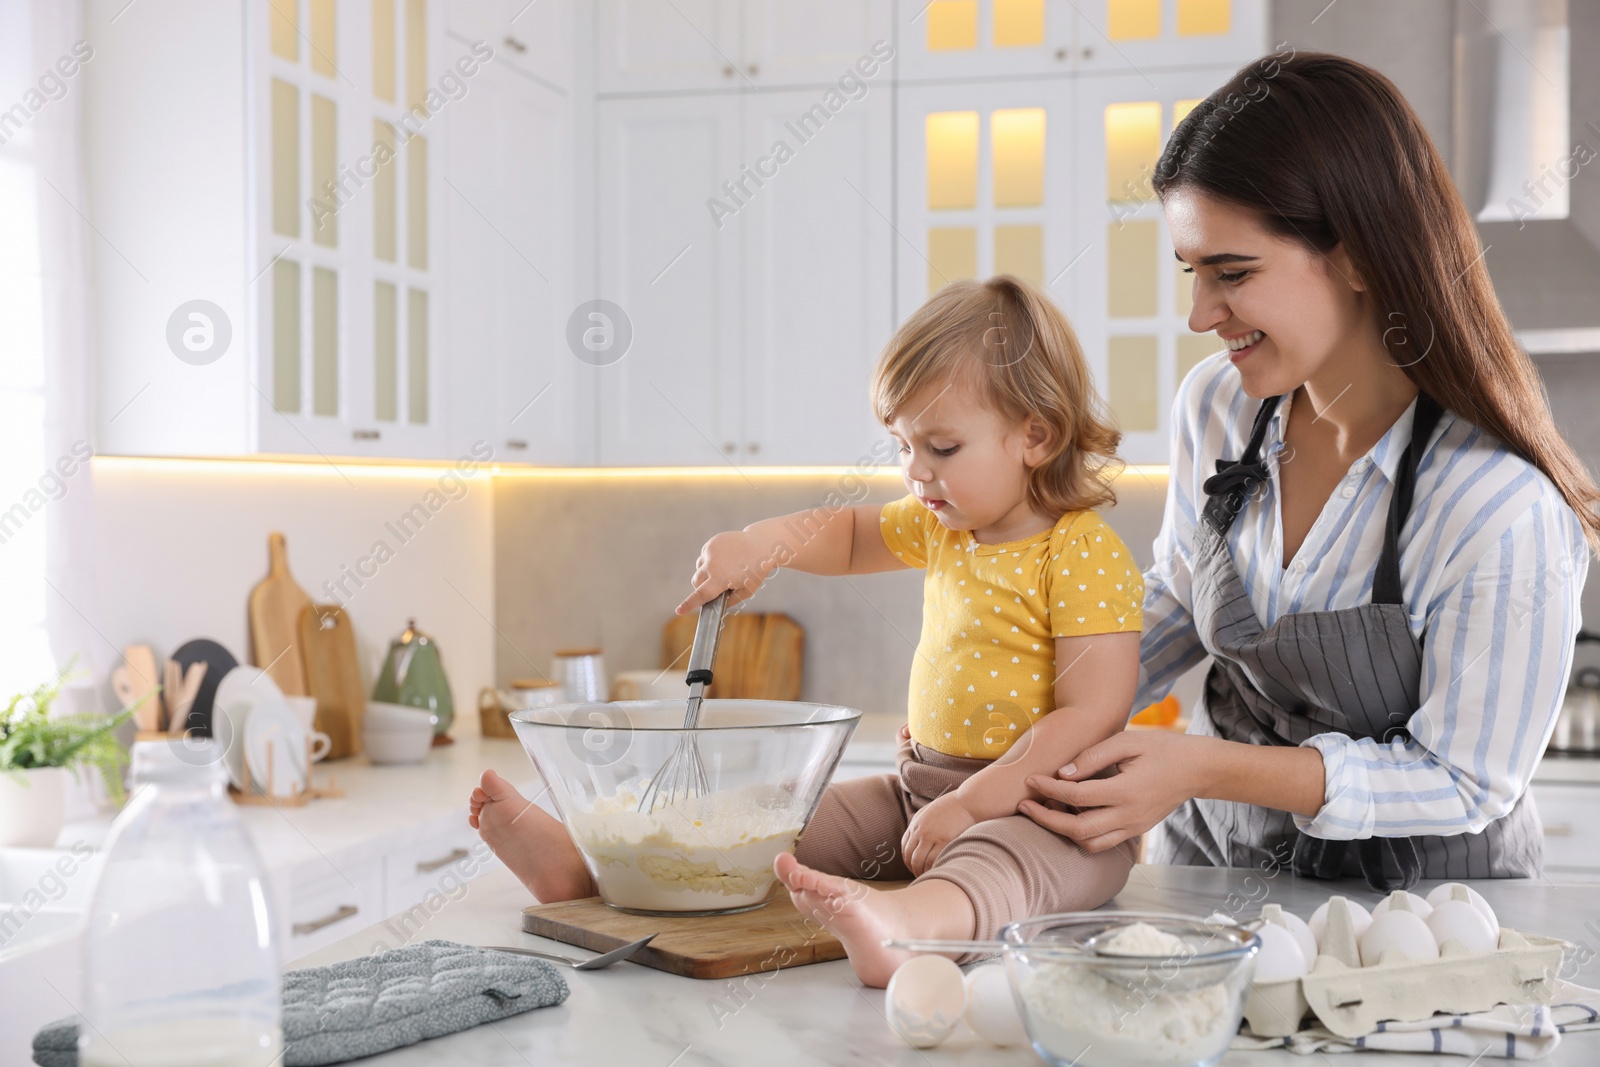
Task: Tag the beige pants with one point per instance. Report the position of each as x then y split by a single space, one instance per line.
1012 868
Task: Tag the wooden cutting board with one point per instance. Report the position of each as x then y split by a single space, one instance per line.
275 606
760 656
333 676
710 946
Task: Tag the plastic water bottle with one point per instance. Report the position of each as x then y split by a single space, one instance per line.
180 966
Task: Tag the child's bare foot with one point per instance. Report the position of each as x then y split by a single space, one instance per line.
859 916
529 841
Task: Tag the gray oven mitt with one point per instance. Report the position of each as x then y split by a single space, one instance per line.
365 1006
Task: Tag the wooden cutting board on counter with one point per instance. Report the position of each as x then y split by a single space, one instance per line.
275 606
707 946
760 655
333 676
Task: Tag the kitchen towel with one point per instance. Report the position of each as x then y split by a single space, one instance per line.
1510 1031
361 1007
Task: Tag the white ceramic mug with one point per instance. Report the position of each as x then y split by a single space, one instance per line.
305 713
650 685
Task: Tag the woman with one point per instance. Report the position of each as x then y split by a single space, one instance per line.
1373 527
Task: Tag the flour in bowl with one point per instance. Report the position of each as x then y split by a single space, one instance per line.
701 854
1168 1014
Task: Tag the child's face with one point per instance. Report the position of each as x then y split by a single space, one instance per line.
1308 307
967 463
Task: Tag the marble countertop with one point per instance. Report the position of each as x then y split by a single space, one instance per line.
820 1014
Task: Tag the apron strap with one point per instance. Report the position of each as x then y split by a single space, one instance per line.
1386 587
1235 480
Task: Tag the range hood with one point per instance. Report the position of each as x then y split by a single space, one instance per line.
1526 158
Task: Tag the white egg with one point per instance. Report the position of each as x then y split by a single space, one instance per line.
1455 891
1360 918
1398 933
991 1009
1302 935
1459 921
925 1000
1400 900
1280 958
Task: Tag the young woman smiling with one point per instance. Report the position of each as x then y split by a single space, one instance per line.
1373 527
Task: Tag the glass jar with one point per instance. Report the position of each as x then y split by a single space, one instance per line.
180 965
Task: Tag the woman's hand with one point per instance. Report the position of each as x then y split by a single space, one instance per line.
1157 771
731 560
940 821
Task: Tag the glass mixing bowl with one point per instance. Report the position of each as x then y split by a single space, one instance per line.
1178 1007
766 764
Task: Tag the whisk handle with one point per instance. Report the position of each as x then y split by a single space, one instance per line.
706 632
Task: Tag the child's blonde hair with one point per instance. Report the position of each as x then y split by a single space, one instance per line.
1009 340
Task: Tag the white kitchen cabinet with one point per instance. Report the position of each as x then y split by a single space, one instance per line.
507 187
534 39
648 46
1571 835
672 394
327 902
268 279
657 45
817 306
746 238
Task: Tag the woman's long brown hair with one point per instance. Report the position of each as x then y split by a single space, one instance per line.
1329 153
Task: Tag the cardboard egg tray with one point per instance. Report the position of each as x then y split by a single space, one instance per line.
1350 1000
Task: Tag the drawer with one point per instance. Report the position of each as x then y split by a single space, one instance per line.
330 904
434 865
1571 829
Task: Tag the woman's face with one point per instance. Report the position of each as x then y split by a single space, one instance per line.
1288 315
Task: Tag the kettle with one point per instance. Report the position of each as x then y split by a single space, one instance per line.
1578 723
413 675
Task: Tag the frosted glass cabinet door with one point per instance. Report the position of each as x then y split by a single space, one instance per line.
1128 299
817 279
961 39
647 45
674 396
985 179
1141 36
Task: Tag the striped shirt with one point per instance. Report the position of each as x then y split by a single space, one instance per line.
1492 566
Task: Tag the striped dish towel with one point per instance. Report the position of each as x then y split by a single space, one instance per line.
1510 1031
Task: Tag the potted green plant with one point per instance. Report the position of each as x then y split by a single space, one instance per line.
37 751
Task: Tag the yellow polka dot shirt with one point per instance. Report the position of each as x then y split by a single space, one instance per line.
984 671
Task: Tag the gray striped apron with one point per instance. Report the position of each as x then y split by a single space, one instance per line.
1356 671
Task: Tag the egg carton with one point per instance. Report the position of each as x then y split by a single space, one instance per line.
1350 1000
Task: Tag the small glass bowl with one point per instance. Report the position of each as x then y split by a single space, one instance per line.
1083 1005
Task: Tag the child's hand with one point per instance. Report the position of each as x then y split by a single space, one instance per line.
935 826
732 561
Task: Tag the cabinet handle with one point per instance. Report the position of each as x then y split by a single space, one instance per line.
365 435
433 865
753 447
729 447
753 69
343 912
728 71
1558 829
1062 54
1088 53
515 45
516 443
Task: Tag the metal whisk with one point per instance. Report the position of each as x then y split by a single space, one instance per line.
683 775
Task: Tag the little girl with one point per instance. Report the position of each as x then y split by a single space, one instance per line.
1029 650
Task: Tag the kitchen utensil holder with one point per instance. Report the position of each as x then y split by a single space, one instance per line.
262 795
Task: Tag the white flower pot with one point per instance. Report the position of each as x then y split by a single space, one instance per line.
32 807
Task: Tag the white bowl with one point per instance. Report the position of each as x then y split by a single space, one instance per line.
396 746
